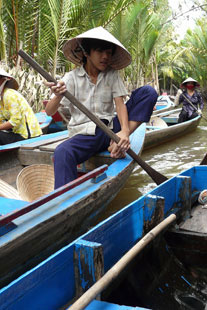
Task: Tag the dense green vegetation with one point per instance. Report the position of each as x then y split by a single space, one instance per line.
145 28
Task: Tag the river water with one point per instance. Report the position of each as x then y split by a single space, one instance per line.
169 159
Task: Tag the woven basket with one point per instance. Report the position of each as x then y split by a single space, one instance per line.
35 181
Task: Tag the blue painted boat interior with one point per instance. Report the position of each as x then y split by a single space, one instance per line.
64 201
51 284
32 140
43 118
163 102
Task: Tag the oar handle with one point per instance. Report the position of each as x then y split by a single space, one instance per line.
155 175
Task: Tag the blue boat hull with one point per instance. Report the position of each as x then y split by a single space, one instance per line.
30 238
53 283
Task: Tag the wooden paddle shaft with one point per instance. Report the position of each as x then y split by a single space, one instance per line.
204 160
110 275
155 175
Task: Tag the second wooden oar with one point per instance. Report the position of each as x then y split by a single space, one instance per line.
157 177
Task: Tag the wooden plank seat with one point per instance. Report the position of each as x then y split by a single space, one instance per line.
43 152
36 144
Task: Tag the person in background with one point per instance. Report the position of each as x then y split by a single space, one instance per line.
190 111
17 119
97 84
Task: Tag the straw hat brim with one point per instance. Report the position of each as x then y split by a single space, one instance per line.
189 80
12 83
72 51
8 191
35 181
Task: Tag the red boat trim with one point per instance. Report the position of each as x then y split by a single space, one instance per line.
5 219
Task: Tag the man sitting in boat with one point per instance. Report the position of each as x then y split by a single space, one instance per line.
97 85
191 99
17 120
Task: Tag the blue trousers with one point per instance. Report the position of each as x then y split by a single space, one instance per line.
80 148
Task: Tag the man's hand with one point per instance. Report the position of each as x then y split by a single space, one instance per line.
119 150
58 89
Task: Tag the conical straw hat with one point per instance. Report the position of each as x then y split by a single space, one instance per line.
13 83
35 181
72 51
157 122
8 191
190 80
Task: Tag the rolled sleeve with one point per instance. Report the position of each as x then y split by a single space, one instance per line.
69 82
118 88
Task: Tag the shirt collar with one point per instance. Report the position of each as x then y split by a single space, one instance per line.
82 71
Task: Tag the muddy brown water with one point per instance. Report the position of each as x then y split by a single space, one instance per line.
169 159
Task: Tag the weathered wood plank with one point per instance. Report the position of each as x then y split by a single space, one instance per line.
88 265
197 221
50 147
30 157
43 142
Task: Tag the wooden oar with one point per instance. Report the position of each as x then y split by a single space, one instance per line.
192 105
112 273
155 175
204 160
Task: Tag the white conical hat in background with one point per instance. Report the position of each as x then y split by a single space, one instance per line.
12 83
72 51
190 80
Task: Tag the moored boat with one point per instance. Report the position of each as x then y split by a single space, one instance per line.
163 104
44 121
164 127
152 280
32 231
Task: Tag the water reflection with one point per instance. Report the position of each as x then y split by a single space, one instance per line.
169 159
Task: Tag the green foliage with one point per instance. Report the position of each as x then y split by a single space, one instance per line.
41 27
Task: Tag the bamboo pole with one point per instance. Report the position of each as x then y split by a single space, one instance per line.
110 275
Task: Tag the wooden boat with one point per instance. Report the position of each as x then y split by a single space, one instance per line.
52 137
188 241
30 232
44 121
153 279
163 104
164 127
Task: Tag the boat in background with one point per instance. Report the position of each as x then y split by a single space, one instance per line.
154 279
46 137
163 104
44 121
164 127
161 128
30 232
